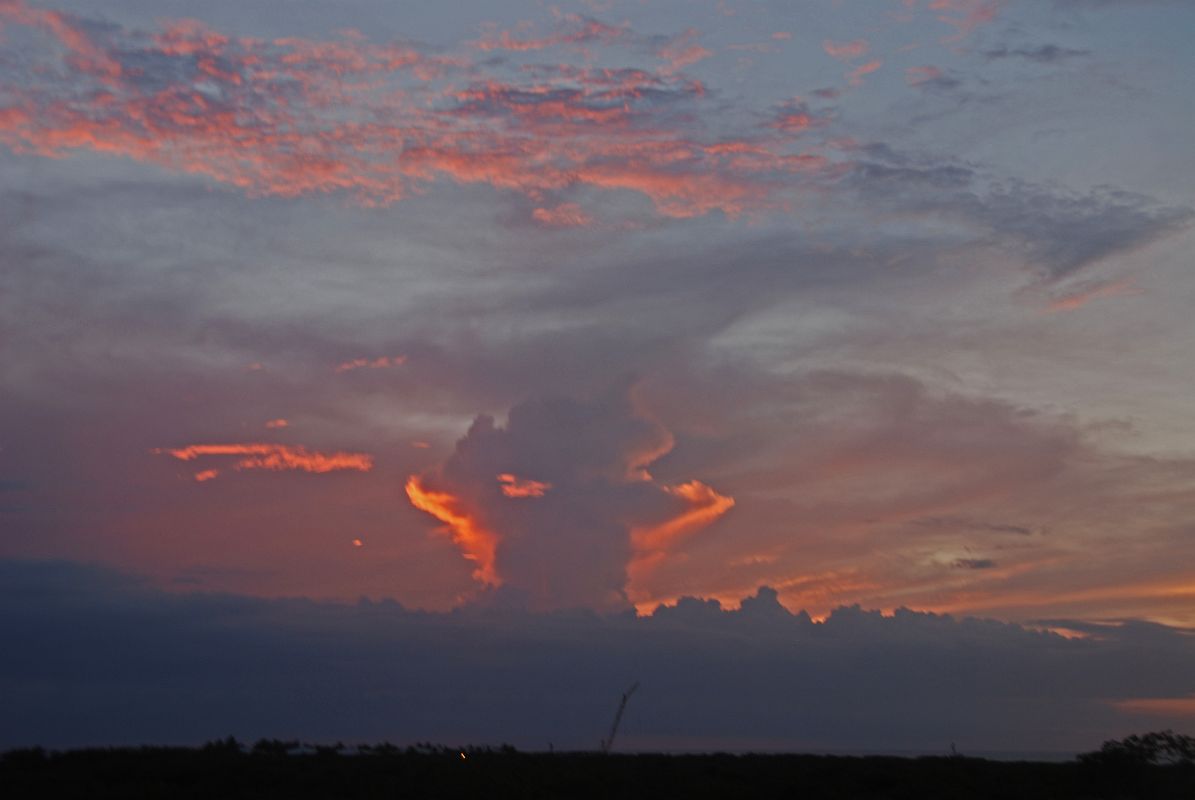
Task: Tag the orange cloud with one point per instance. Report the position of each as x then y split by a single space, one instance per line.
846 51
277 423
1085 294
206 475
477 543
651 544
513 486
382 362
276 457
1159 706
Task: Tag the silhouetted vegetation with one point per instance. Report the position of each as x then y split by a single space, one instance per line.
1155 766
1162 747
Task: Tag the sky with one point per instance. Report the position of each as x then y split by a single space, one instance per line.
825 359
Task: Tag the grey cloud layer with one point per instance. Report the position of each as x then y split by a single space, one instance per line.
94 657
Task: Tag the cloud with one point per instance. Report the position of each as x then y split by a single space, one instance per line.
930 77
273 457
1080 295
855 76
573 30
83 643
680 51
1042 54
589 515
795 117
380 362
967 15
292 116
974 563
846 51
1058 233
515 487
565 215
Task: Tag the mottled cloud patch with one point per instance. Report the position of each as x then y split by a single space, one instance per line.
795 117
966 15
596 509
571 30
293 116
275 424
273 457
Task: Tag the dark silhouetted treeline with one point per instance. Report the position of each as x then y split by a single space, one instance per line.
1151 767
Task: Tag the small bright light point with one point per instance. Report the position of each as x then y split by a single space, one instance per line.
358 543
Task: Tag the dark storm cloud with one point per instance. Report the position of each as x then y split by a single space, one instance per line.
94 657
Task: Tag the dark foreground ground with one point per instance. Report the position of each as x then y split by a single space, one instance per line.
223 771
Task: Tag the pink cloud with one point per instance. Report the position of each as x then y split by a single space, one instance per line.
795 116
292 116
966 15
681 51
381 362
855 76
846 51
572 29
565 215
915 76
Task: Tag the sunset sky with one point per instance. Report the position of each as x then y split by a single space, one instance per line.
519 319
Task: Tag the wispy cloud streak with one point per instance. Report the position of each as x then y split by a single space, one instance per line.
274 457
